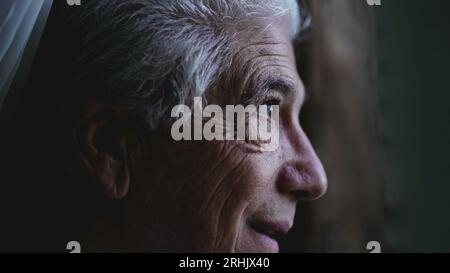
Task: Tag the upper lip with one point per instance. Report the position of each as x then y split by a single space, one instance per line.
273 229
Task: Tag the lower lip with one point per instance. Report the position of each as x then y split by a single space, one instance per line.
269 244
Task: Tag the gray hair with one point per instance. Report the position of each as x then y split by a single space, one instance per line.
153 54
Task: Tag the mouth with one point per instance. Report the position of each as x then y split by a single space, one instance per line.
269 232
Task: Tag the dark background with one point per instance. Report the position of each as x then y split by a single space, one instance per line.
414 61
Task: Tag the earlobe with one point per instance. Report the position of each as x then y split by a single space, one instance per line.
101 148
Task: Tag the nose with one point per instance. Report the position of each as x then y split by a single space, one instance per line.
302 177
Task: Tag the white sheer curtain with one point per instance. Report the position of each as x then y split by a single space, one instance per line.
21 26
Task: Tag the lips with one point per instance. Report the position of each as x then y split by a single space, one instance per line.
268 233
271 228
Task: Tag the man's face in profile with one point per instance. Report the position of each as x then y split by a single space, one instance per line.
217 196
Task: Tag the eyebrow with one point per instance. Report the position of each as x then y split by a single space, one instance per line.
284 85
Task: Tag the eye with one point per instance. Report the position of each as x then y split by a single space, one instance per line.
270 105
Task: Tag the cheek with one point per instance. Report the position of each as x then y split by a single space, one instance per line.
219 195
199 200
235 190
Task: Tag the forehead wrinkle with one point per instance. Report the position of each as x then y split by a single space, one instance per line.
252 61
276 48
242 53
253 64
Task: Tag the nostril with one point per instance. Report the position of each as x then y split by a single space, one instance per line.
302 182
301 194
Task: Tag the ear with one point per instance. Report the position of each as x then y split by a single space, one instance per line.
101 147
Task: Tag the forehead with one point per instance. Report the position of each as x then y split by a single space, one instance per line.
272 40
269 47
259 58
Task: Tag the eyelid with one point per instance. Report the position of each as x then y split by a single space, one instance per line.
272 95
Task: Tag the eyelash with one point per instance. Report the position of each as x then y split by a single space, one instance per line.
269 103
272 100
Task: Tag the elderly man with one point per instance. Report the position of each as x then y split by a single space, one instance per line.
105 169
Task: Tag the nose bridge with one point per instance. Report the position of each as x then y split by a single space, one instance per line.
298 145
303 175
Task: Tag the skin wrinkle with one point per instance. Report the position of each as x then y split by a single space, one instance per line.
238 68
231 152
235 243
228 177
252 67
262 42
245 205
218 185
224 186
216 188
244 52
239 212
211 170
219 225
194 175
251 62
235 231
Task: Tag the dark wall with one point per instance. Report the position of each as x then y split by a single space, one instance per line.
414 59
